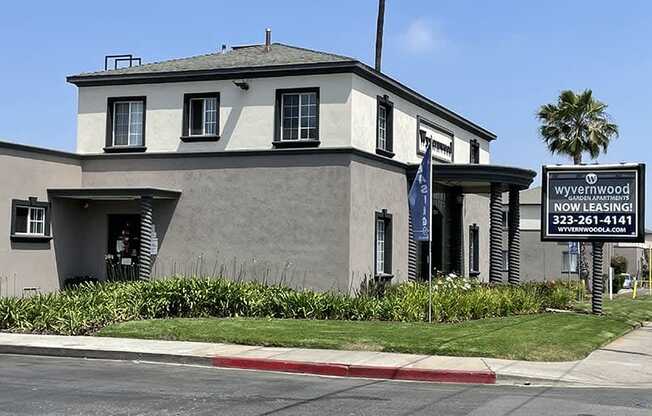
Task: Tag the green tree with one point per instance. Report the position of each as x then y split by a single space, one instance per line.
576 124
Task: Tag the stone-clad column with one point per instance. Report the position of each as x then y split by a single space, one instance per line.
514 236
496 234
145 259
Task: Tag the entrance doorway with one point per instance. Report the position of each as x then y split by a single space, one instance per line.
123 247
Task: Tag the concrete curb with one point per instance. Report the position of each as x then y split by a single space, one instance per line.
105 354
346 370
265 364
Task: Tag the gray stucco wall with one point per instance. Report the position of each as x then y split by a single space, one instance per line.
476 211
266 217
375 187
25 173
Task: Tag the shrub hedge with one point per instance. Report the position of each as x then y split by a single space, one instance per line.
92 306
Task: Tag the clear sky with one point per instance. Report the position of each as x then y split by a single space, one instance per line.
494 62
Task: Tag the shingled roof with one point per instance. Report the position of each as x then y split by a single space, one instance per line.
238 57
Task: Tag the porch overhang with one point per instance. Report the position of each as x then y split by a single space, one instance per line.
114 193
474 178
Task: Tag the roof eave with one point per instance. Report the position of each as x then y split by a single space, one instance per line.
355 67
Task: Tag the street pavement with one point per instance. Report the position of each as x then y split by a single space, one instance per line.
35 385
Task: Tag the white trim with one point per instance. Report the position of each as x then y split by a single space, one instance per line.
299 128
30 220
204 100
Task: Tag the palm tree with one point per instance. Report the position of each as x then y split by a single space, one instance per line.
576 124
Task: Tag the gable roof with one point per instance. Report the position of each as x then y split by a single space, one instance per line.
253 61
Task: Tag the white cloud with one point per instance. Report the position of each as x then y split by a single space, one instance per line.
422 36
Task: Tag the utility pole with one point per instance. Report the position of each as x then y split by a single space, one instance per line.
379 33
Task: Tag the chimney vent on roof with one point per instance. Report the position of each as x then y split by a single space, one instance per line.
268 39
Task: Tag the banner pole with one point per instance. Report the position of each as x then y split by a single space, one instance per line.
430 178
611 283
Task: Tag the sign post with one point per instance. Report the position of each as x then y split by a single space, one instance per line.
593 203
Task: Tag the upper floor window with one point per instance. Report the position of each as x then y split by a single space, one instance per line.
474 157
201 117
384 126
297 117
29 219
125 124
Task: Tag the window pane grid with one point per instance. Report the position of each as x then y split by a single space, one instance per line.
128 123
135 123
121 124
210 116
382 127
380 246
30 221
299 119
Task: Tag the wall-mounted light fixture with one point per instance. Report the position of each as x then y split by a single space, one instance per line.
244 85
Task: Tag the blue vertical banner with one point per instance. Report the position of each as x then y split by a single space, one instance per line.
419 199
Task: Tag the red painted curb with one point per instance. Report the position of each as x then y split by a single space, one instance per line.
345 370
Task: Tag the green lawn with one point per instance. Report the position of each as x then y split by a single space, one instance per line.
542 337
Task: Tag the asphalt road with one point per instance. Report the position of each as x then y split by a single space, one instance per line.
68 386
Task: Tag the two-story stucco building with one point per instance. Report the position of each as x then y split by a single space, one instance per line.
263 161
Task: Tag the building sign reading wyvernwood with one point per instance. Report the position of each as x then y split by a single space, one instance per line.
597 203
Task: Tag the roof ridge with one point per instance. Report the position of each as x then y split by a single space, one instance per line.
315 51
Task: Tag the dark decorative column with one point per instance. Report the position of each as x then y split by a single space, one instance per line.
145 264
457 232
496 234
514 236
596 296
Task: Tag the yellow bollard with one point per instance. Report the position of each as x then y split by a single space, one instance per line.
649 272
635 286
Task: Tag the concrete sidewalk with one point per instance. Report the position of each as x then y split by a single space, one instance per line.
625 362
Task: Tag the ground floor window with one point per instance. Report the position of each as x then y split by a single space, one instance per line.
474 250
29 218
383 243
569 262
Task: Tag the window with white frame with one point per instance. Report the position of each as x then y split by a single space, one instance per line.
128 123
201 117
383 243
380 246
297 115
384 126
29 219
